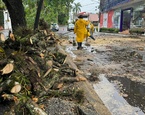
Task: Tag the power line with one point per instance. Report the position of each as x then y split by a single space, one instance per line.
88 4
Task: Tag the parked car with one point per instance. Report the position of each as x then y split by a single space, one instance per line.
70 27
54 27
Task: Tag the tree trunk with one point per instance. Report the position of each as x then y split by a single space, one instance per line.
16 11
38 14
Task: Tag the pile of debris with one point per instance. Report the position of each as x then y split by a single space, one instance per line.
36 77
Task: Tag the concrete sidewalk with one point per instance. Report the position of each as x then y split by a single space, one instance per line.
118 34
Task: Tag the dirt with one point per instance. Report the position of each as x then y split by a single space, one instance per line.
120 58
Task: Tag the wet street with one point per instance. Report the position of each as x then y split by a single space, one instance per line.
114 65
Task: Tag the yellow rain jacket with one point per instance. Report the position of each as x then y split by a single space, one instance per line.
91 28
80 29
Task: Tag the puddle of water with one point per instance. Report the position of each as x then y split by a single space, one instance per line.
70 49
113 100
134 90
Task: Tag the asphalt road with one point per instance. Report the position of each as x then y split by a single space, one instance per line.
110 57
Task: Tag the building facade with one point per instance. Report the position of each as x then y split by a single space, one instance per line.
122 14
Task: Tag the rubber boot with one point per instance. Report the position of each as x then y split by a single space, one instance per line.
79 45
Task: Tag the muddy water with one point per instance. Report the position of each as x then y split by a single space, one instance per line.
134 90
112 99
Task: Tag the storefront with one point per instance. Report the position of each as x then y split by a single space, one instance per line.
124 16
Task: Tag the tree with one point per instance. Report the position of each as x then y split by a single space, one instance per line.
76 8
16 11
68 6
59 10
50 12
2 6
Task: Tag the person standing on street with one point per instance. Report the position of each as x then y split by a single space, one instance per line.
90 29
80 30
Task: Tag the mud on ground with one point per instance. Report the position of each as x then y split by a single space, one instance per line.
122 59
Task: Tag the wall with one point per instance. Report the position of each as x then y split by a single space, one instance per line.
7 20
110 19
113 9
106 19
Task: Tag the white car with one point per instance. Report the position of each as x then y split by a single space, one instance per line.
70 27
54 27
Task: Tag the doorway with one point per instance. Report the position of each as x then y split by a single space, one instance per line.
126 16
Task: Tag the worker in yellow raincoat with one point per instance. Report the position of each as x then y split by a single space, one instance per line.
80 30
90 31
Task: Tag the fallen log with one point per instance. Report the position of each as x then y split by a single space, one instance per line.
49 80
59 57
68 71
74 93
34 108
10 86
2 37
40 74
68 79
47 72
68 58
7 69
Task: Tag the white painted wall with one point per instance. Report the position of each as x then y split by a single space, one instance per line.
7 20
105 19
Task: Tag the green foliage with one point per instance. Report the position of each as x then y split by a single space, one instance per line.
2 5
30 16
1 18
23 31
137 31
62 18
77 7
51 12
109 30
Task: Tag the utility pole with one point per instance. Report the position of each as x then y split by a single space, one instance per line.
99 22
99 16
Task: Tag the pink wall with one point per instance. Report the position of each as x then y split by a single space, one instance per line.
101 20
110 16
109 19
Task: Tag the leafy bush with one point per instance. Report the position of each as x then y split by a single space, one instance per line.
137 31
109 30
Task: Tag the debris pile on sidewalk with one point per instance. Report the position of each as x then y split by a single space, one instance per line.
36 79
